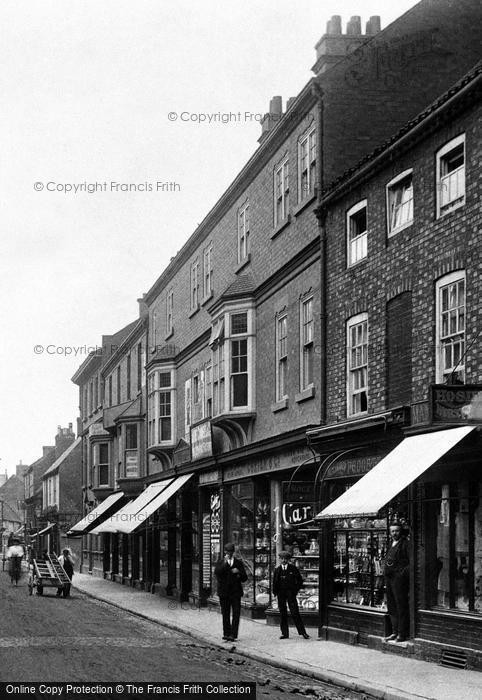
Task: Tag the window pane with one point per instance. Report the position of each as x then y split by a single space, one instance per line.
164 379
240 389
239 323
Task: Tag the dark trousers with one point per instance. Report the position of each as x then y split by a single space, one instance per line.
231 609
397 603
286 600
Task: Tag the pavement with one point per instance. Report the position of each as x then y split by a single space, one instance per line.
354 667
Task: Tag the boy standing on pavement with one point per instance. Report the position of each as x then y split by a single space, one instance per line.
287 581
230 573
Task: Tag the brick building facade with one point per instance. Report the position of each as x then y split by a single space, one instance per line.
247 329
403 251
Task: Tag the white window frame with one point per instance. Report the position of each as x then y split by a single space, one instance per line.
281 184
208 271
194 286
98 464
281 356
169 312
351 390
307 150
222 340
392 208
244 243
442 342
454 179
307 341
154 405
361 240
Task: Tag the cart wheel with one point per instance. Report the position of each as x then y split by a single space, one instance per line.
40 590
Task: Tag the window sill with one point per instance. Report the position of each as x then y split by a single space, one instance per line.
193 312
304 203
243 264
306 394
395 231
441 214
206 299
351 266
169 335
281 226
279 405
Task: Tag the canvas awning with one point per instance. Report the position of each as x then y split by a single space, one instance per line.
141 509
411 458
95 516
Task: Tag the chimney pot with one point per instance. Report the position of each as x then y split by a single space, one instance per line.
276 106
333 26
373 25
353 27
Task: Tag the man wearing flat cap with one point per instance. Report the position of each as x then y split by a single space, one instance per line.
287 582
230 573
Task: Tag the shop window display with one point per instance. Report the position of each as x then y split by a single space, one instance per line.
459 548
360 546
249 528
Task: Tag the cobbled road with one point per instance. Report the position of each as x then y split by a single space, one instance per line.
78 639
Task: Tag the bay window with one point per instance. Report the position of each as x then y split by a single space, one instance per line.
161 406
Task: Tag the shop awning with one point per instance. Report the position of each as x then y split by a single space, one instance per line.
139 510
128 512
93 518
411 458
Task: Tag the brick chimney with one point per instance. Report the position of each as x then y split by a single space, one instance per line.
272 117
334 45
143 308
64 438
19 468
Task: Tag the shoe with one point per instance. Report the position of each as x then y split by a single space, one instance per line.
305 635
230 639
391 638
284 636
401 639
225 639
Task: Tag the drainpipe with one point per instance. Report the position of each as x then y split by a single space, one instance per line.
320 213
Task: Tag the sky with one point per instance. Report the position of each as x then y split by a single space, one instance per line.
104 94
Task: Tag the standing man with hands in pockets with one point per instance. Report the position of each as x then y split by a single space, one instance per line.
230 573
287 582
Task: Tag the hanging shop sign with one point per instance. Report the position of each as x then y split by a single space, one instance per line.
458 403
270 463
201 441
298 502
132 464
206 550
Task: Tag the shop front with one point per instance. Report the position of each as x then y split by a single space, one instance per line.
431 483
254 504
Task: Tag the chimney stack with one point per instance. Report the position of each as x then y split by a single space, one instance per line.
334 45
143 308
272 117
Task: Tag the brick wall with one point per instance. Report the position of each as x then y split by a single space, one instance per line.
395 75
411 260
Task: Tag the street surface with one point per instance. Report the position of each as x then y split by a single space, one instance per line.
44 638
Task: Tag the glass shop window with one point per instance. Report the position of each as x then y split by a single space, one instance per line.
457 551
360 547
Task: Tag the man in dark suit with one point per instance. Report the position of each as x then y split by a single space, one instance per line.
397 582
230 573
287 582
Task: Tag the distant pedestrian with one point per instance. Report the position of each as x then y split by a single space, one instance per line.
397 582
230 573
66 560
287 582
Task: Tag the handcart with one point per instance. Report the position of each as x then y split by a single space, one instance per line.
48 572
